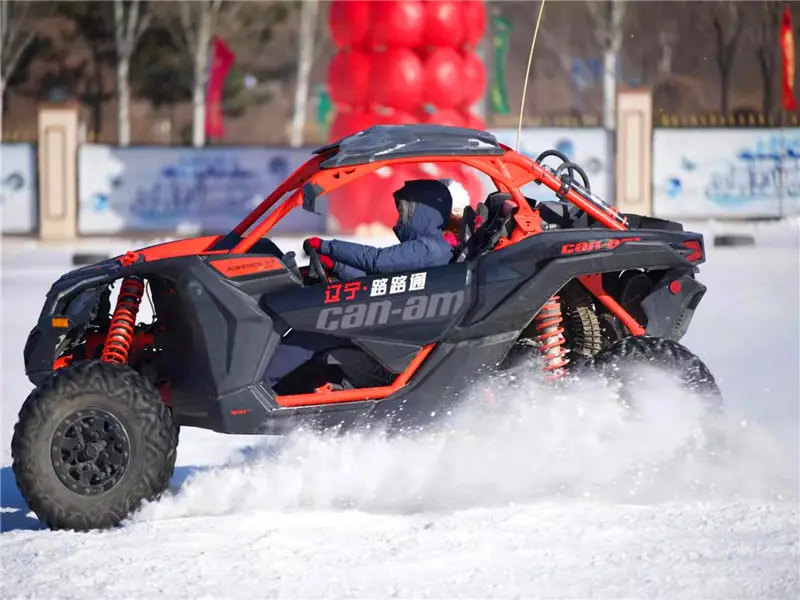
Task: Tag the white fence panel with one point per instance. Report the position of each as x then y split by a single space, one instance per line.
731 173
18 192
183 190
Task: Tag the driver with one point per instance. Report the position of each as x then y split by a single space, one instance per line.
423 207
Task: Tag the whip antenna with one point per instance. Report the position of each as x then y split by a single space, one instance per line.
528 72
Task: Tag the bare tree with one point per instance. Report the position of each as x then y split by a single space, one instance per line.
308 21
15 36
192 25
609 17
766 24
666 42
728 23
129 24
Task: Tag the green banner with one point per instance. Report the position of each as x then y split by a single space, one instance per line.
324 109
499 96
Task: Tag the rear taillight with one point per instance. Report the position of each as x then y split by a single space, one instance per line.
695 250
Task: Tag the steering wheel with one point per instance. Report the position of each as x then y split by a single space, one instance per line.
566 164
316 263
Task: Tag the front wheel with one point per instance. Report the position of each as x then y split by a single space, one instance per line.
91 443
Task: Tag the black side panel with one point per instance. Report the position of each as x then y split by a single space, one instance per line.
413 308
501 273
444 380
508 308
394 356
253 411
219 341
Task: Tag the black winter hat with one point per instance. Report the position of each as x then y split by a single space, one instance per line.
430 192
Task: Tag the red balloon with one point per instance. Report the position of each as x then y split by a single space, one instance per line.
350 205
396 24
443 23
473 84
444 78
347 123
397 79
348 21
348 78
448 117
473 14
473 121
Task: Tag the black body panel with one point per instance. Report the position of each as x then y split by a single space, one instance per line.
73 295
222 331
386 142
645 222
219 340
669 313
181 287
514 282
410 308
394 356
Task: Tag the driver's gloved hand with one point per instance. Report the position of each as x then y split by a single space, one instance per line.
314 242
327 262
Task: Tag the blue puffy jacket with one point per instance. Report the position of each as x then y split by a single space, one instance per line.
421 243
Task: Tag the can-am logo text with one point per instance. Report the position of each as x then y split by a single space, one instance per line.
382 312
595 245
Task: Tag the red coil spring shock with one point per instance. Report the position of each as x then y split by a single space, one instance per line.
123 323
550 337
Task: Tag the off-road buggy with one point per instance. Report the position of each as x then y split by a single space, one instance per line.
571 280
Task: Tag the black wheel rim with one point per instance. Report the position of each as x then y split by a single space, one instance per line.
91 451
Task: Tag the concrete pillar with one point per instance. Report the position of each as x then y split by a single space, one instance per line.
58 178
633 181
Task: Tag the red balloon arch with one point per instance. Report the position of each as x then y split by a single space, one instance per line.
402 61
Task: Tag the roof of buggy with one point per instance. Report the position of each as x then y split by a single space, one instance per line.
385 142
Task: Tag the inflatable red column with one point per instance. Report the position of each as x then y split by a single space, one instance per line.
348 76
455 76
398 62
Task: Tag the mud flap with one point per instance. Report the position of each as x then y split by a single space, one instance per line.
671 305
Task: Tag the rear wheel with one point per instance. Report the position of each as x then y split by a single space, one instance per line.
623 360
92 442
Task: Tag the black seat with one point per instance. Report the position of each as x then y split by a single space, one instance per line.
497 214
483 211
467 225
465 233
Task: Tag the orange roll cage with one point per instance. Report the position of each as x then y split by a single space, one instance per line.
509 173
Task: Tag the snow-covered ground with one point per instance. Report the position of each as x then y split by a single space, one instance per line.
555 498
